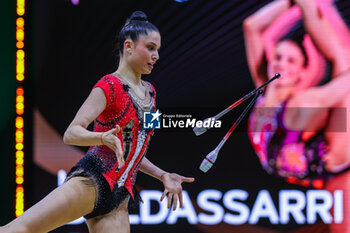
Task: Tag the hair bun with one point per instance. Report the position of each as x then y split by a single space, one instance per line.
138 15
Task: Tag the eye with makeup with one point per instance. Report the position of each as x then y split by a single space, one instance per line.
151 47
278 57
291 60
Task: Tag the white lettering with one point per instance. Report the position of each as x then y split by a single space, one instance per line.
263 207
191 123
61 176
231 204
207 122
338 206
322 208
217 124
181 124
145 209
295 209
199 124
164 124
292 203
212 207
187 211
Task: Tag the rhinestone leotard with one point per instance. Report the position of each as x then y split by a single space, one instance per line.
114 185
283 152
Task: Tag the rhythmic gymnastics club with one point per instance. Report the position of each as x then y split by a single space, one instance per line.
201 130
210 159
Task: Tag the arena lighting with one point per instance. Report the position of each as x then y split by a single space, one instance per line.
75 2
19 121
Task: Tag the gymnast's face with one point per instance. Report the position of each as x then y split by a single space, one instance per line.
143 53
288 60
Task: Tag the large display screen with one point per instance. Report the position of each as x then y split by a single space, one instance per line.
202 70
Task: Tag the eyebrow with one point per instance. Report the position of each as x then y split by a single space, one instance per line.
154 44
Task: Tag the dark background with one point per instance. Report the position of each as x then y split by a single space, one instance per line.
202 70
7 105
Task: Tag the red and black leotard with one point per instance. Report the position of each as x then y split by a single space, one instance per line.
100 164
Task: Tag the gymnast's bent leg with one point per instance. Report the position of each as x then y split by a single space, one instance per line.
66 203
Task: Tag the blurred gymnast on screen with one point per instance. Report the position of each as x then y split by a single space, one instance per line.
100 186
298 129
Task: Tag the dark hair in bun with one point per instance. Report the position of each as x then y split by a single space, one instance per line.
296 35
135 26
138 15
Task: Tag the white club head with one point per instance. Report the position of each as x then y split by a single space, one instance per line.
209 160
201 130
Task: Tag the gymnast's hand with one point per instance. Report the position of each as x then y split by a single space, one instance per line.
172 187
336 163
110 139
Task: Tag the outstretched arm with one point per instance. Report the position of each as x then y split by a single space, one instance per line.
328 9
306 110
278 28
325 34
316 66
330 34
281 26
254 27
171 181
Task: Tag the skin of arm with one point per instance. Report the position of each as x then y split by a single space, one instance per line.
322 18
318 99
331 46
278 28
307 109
284 23
337 134
315 69
327 8
171 181
77 133
253 28
152 170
